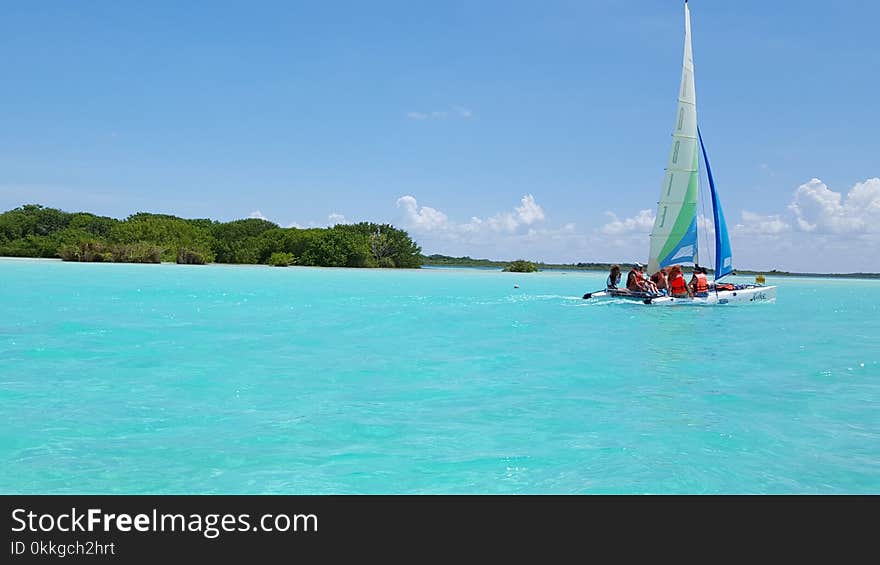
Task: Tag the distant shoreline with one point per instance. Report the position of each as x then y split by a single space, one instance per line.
447 261
500 265
489 264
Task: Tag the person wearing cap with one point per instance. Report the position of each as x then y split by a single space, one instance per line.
634 280
699 284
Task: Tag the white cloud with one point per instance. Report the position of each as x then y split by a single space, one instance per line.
336 218
820 230
332 220
424 219
526 214
421 218
640 224
819 209
529 212
513 234
758 224
455 112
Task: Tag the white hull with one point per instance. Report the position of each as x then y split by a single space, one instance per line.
743 296
740 296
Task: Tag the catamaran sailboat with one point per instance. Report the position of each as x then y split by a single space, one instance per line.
674 235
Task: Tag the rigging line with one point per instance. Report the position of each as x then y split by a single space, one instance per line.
703 189
706 235
711 259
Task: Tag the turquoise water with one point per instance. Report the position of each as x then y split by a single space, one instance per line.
227 379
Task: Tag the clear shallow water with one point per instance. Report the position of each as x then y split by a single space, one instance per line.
223 379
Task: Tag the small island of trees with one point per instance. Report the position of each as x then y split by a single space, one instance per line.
37 231
521 266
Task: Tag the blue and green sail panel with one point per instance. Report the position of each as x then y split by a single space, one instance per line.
723 254
674 235
677 221
685 251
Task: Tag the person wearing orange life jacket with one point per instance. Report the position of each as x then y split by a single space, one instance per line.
677 287
635 282
638 281
699 284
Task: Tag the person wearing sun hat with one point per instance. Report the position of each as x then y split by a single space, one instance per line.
635 281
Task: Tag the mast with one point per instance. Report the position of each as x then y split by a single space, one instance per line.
674 235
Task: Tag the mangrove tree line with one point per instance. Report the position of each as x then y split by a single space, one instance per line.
37 231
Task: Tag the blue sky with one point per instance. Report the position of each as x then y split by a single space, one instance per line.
494 129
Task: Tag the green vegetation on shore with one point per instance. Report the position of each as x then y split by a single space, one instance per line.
521 266
281 259
36 231
447 261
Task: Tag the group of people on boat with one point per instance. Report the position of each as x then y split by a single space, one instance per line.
667 281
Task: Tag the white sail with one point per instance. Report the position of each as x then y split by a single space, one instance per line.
674 236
